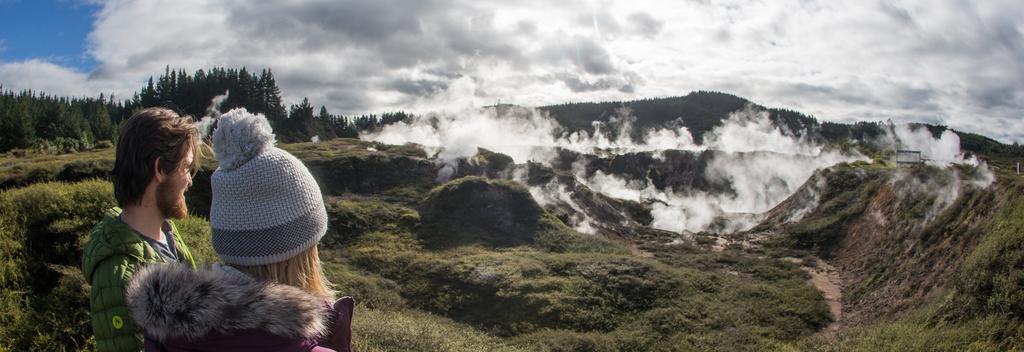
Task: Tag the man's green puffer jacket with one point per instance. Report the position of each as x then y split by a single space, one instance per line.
110 258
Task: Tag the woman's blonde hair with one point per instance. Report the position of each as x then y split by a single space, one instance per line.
303 271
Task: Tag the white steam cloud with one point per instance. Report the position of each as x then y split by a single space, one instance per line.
943 150
525 134
942 188
620 126
205 125
749 130
553 193
761 164
946 186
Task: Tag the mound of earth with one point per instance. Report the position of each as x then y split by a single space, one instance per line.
496 213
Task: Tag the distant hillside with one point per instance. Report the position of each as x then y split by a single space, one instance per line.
702 111
699 112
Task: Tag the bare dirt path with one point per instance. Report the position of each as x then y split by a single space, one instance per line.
826 279
635 250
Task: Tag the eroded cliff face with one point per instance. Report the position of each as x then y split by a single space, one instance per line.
896 238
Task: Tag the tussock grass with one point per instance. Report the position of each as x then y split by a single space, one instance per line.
412 330
538 297
991 333
351 218
34 167
991 281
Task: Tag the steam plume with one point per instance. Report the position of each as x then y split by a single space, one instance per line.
205 125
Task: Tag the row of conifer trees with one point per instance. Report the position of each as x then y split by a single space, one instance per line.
36 120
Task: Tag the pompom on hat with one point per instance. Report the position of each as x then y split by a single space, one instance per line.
266 205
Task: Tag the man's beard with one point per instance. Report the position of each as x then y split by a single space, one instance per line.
170 203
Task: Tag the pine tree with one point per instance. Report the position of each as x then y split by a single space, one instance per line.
163 87
148 96
272 94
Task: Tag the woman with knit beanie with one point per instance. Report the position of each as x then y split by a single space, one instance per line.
269 292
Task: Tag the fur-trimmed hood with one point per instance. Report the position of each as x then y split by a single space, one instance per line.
174 302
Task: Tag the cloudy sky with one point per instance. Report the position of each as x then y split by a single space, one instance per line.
959 63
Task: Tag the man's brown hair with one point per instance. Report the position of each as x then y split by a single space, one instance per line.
149 134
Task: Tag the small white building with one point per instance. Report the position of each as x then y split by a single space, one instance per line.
908 157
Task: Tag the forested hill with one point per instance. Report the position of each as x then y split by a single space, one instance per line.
36 120
702 111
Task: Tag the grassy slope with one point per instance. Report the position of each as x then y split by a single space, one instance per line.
463 297
38 167
580 297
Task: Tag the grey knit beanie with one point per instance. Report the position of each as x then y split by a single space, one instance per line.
266 205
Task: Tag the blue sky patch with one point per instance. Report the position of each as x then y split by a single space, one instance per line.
53 31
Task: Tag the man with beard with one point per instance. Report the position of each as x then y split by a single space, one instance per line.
157 154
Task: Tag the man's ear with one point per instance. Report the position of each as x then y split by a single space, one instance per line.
157 175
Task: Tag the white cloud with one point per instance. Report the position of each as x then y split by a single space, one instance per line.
952 62
44 77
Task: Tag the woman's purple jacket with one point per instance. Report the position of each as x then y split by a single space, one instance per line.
225 310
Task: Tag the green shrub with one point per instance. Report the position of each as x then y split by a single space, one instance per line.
486 164
56 217
477 210
351 218
62 315
518 290
198 236
555 236
991 280
411 194
986 334
104 144
567 341
408 149
410 330
369 290
42 284
62 145
498 213
384 252
11 244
